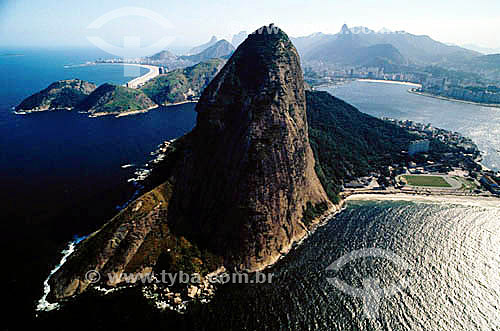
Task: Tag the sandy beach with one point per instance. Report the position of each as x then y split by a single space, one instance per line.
453 100
389 82
139 81
476 201
127 113
179 103
134 112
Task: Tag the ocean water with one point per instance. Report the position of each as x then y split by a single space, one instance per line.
61 172
26 71
451 262
481 124
451 251
66 157
61 176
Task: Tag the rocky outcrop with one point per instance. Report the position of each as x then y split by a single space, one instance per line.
238 191
61 95
248 177
83 96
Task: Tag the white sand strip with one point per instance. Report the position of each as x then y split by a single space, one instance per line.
388 82
139 81
477 201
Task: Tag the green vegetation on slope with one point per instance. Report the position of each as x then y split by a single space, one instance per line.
348 144
64 94
114 99
182 84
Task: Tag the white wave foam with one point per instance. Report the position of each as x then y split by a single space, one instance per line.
43 304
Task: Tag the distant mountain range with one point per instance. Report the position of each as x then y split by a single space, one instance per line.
221 49
356 45
481 49
239 38
393 51
348 48
201 48
487 65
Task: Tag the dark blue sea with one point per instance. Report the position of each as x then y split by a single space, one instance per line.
60 172
66 156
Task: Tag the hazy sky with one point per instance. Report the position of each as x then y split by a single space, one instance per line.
65 22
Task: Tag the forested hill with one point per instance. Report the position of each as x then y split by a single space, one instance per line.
348 144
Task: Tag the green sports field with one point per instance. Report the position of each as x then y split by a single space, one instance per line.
429 181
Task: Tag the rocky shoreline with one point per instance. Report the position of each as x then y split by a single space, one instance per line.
122 114
40 110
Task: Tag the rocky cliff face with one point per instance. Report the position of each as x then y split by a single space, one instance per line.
237 191
244 185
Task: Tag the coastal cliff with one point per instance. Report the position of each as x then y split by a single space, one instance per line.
237 192
249 175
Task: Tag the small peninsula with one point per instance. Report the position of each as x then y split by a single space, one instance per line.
61 95
177 86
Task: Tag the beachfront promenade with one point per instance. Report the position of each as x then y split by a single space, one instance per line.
139 81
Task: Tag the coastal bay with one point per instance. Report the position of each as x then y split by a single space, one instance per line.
479 123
